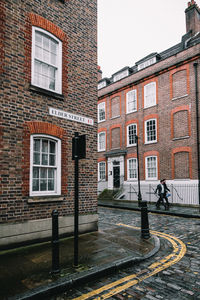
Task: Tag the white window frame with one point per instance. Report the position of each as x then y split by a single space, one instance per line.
127 134
100 134
153 141
102 106
150 98
146 168
58 73
131 94
120 75
57 177
101 84
128 168
101 163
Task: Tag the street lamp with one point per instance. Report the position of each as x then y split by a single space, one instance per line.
138 171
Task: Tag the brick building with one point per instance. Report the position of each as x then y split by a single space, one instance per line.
155 100
48 80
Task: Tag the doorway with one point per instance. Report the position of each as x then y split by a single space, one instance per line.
116 177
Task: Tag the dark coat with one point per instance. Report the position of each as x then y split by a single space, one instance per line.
159 189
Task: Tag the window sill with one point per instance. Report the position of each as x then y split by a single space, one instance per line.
115 117
42 199
181 138
149 143
47 93
101 121
128 146
131 112
180 97
150 106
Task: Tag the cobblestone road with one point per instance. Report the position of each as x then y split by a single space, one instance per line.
179 281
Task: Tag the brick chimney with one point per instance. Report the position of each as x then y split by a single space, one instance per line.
192 14
99 73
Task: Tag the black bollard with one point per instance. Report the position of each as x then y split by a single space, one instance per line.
144 221
55 243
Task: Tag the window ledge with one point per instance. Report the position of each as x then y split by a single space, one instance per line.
181 138
180 97
41 91
115 117
42 199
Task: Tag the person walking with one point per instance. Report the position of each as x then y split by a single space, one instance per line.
162 190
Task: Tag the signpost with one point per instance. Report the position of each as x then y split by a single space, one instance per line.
78 152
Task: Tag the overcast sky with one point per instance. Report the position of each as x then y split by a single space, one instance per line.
129 30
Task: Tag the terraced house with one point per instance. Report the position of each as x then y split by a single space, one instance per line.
156 101
48 78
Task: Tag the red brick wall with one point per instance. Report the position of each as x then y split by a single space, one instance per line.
25 111
175 95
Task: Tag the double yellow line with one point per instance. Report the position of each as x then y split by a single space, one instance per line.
109 290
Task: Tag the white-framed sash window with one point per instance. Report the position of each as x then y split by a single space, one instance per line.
131 101
131 133
132 168
101 170
150 94
102 141
150 131
45 165
101 112
151 168
46 70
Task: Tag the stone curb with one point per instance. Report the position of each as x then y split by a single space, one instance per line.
63 284
163 212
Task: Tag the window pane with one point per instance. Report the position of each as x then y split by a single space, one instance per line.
36 158
52 160
35 172
52 147
36 145
53 47
38 38
46 43
50 185
52 84
44 146
44 159
35 185
53 59
50 173
43 185
43 173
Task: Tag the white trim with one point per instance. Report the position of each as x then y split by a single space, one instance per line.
154 141
103 104
153 84
128 173
58 78
101 162
58 168
134 91
127 134
146 172
104 149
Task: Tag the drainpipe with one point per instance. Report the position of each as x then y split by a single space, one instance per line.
197 125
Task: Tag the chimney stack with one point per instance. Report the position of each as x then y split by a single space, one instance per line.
99 73
192 14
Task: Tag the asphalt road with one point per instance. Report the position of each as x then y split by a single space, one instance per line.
172 273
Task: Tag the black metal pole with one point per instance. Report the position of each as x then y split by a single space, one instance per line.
138 171
55 243
144 221
76 204
197 125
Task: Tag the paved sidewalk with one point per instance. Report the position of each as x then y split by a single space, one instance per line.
25 272
174 210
